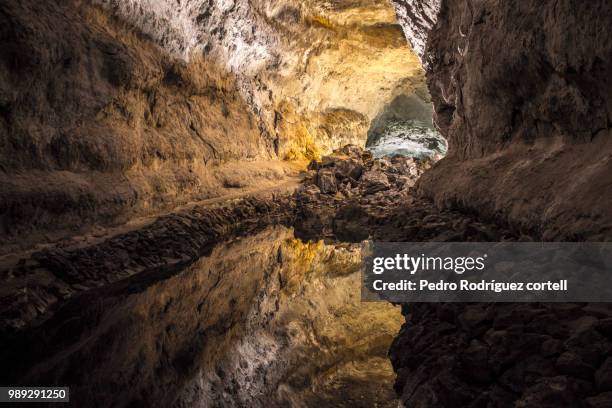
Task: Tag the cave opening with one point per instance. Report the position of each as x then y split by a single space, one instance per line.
405 128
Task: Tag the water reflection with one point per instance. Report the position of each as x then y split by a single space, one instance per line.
265 320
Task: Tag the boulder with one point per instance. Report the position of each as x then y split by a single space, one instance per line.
553 392
326 180
374 181
572 364
350 168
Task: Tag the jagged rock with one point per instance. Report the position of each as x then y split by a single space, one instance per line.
374 181
326 180
173 239
473 318
588 343
476 362
349 169
313 165
307 193
551 347
572 364
351 151
553 392
472 108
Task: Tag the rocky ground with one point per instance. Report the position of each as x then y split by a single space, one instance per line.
504 355
350 196
454 355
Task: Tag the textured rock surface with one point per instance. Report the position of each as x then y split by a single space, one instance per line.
379 202
521 90
37 285
520 355
417 18
298 63
130 107
461 355
269 320
522 93
113 108
98 124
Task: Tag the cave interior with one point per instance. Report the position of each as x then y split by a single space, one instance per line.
185 187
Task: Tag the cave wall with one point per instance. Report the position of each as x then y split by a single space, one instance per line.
522 92
114 109
297 63
98 124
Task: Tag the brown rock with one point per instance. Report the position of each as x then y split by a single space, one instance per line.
572 364
553 392
473 318
326 180
349 169
374 181
603 376
603 400
605 327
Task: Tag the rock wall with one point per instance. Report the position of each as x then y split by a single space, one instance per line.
98 124
521 90
295 61
522 93
113 109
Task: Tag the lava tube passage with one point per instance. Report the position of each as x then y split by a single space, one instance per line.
318 203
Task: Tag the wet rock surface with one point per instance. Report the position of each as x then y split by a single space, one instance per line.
260 321
503 355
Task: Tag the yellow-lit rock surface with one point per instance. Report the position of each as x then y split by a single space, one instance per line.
263 321
115 109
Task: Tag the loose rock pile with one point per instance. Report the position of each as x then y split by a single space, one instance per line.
350 196
352 180
353 172
460 355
